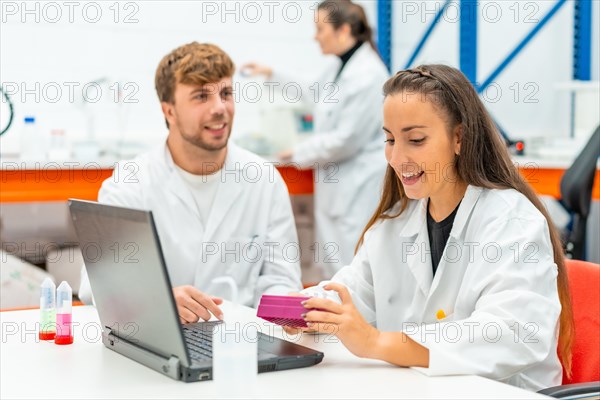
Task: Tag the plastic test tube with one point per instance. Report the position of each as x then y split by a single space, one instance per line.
64 304
47 310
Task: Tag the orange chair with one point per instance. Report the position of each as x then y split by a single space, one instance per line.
584 285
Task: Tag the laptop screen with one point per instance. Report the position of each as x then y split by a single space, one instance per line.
128 276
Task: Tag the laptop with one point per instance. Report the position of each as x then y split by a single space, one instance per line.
135 302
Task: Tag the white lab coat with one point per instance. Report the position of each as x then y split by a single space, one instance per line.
496 283
249 225
347 149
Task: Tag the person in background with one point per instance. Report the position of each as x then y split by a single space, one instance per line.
460 270
219 210
346 147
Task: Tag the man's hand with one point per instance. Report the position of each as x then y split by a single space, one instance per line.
192 304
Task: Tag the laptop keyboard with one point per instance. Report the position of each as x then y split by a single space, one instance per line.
199 341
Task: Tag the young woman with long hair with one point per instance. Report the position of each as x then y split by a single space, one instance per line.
460 270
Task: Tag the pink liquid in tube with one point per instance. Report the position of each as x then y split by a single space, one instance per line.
64 321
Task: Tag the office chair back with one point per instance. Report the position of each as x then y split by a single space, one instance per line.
576 192
584 285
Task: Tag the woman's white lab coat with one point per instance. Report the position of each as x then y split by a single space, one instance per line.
347 149
250 223
496 283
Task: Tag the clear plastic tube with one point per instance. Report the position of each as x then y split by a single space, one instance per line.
64 305
47 310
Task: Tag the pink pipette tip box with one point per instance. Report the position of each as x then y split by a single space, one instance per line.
283 310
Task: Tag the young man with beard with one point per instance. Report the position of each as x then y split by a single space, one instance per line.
219 210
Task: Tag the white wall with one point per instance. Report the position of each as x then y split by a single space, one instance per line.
50 54
79 51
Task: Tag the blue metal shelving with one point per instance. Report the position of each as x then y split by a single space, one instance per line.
468 39
384 31
582 34
511 56
428 33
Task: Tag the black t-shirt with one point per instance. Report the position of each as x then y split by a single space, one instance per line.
346 57
439 232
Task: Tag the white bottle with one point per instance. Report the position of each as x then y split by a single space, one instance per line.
33 147
58 150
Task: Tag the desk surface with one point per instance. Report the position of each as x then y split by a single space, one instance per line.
86 369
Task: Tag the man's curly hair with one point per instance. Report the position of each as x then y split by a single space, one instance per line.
193 63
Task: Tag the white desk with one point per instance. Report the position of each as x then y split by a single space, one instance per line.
86 369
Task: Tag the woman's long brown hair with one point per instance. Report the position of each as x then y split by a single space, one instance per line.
484 161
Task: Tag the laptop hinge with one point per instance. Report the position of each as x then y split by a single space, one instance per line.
167 366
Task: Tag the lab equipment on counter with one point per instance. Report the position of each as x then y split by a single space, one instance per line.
285 125
64 305
8 113
58 146
517 147
33 146
47 310
282 127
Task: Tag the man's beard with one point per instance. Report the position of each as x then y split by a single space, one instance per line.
199 142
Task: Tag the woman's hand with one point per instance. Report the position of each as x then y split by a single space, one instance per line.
253 69
295 331
343 320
